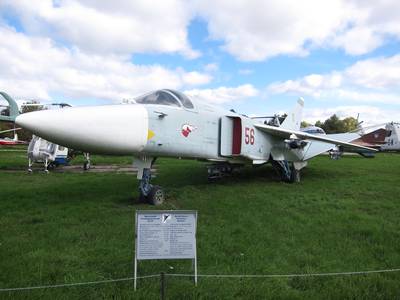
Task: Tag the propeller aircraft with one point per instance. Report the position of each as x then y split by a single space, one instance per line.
11 142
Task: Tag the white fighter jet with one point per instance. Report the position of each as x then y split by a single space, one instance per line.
166 123
392 139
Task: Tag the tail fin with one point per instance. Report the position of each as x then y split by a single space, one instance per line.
293 119
14 111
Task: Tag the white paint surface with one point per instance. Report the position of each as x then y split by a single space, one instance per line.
109 129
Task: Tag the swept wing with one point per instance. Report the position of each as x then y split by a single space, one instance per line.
318 147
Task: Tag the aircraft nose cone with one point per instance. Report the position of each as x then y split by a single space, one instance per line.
32 121
111 129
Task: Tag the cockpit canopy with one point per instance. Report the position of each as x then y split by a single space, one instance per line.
313 130
166 97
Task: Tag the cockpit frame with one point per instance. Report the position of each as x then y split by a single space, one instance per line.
166 97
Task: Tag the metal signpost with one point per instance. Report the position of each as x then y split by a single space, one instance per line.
168 234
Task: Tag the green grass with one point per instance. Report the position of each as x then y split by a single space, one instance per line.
343 216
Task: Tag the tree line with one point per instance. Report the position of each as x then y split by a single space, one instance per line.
334 124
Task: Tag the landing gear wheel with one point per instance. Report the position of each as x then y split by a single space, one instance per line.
142 198
287 171
295 176
156 195
86 166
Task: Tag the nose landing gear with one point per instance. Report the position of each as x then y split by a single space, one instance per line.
152 194
86 164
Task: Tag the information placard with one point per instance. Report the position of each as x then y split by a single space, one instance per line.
166 235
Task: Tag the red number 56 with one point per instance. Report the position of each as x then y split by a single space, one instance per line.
249 136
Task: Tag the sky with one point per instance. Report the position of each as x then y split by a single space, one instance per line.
256 57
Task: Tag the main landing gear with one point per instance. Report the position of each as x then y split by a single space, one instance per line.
86 164
288 171
47 165
152 194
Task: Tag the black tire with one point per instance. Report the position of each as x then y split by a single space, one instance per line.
295 176
142 198
156 195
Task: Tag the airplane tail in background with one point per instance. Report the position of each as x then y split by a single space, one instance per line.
14 111
293 119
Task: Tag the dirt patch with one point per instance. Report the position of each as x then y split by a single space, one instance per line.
79 169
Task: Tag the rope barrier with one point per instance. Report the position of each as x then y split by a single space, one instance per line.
202 275
75 284
285 275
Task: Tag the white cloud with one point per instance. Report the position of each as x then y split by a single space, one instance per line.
255 30
370 24
33 67
120 26
245 71
371 115
314 85
358 40
251 30
212 67
224 94
371 80
377 72
196 78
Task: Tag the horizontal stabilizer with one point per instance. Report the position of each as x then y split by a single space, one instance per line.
14 111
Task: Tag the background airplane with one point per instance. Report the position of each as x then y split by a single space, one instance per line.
385 139
40 151
355 137
166 123
392 139
11 142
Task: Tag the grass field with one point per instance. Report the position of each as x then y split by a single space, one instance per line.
343 216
